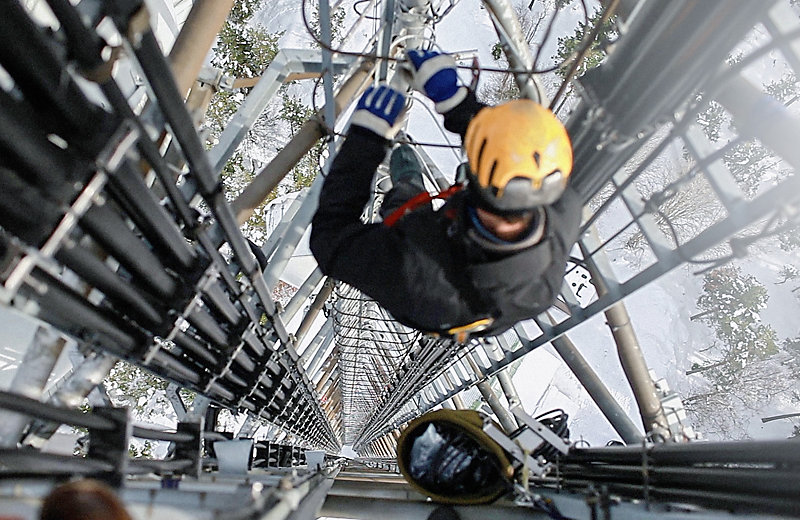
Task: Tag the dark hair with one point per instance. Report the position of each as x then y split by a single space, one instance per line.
83 500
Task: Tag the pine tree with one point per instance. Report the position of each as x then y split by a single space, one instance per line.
295 112
744 374
789 240
569 46
731 305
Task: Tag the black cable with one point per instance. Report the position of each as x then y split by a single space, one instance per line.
376 56
361 13
556 421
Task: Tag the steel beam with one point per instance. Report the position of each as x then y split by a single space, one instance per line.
195 39
504 416
30 378
598 391
515 48
311 132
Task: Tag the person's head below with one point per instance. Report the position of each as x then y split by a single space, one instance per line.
83 500
519 159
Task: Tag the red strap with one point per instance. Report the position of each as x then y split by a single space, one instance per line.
417 201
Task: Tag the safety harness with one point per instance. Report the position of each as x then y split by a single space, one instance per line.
420 200
461 333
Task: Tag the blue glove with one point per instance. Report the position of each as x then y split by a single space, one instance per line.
435 75
379 109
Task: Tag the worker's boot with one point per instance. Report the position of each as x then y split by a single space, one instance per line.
405 171
405 168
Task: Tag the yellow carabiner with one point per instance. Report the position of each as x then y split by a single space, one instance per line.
462 333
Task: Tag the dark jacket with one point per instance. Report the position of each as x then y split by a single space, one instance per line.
425 270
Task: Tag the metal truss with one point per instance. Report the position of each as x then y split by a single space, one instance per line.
115 231
92 249
608 132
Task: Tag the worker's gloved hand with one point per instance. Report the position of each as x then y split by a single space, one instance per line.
379 110
435 75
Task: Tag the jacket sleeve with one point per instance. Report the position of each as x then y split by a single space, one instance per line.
365 256
457 119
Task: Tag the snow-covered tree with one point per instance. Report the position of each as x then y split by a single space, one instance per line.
747 368
295 112
750 162
731 305
569 46
789 240
725 406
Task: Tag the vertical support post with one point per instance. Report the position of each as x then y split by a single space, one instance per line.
192 449
327 339
636 370
388 22
458 403
198 409
599 393
516 48
316 306
177 402
629 352
112 446
749 105
195 39
327 74
510 391
503 415
302 294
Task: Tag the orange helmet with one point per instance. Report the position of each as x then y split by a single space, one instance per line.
519 156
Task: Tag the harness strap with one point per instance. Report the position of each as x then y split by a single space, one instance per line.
417 201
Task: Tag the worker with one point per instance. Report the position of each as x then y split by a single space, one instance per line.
83 500
495 253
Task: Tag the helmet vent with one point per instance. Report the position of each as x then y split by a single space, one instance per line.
537 157
491 173
480 156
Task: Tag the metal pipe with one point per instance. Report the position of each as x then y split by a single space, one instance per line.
629 352
320 355
326 375
516 49
388 21
599 393
763 116
503 415
510 391
48 412
636 370
301 296
311 132
327 69
30 378
458 403
195 39
316 306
